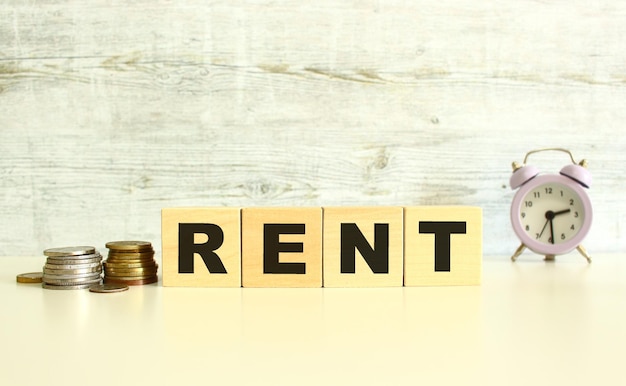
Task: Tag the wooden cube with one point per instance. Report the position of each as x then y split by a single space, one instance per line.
201 247
363 247
281 247
442 245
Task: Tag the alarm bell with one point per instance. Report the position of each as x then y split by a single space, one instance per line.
522 174
576 171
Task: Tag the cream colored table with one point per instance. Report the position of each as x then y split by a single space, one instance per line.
530 323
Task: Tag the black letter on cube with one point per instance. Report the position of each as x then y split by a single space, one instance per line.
187 247
442 231
352 238
272 247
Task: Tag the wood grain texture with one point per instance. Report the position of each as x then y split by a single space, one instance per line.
112 110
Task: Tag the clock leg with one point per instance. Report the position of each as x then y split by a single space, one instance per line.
583 252
518 252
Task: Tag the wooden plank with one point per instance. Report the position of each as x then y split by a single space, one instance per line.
442 246
351 232
281 247
112 111
211 255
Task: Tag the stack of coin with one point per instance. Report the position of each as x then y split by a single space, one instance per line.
71 268
130 263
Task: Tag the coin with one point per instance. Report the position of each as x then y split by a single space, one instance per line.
30 277
129 255
94 255
129 245
130 276
70 261
108 288
131 282
130 263
125 265
72 266
76 281
49 271
109 269
69 251
47 278
66 287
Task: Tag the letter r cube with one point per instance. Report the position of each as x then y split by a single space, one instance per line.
201 247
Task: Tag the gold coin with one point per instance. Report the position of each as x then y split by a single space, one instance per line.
131 252
133 246
137 274
124 259
128 276
108 288
125 262
125 265
131 282
30 277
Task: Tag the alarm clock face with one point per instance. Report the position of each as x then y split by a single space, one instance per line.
551 214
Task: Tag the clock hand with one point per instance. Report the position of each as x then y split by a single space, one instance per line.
551 230
550 216
561 212
544 228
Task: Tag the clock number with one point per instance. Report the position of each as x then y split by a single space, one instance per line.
536 194
527 227
550 240
571 201
524 214
537 235
561 193
562 236
528 204
572 227
575 214
548 190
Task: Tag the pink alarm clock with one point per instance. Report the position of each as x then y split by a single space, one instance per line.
551 213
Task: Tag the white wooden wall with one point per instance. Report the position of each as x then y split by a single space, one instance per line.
111 110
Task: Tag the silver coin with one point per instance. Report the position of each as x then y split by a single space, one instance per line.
74 262
83 280
74 276
108 288
70 251
85 259
71 266
82 271
66 287
47 276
